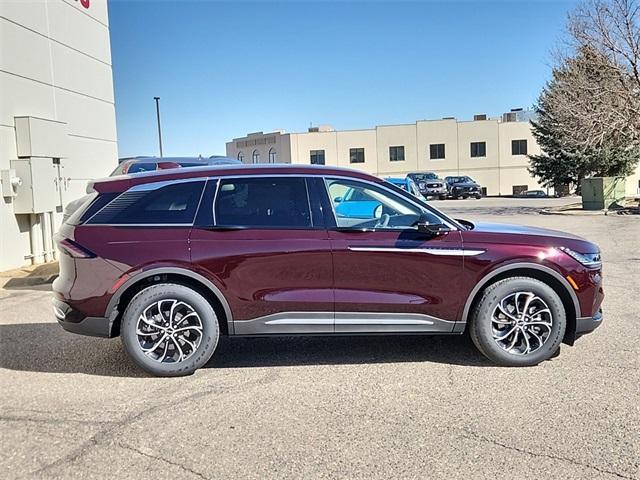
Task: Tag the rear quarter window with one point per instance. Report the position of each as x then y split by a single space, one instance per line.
160 204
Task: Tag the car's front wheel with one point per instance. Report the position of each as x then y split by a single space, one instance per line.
169 330
519 321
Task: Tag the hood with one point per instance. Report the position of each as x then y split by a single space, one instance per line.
486 227
507 232
465 184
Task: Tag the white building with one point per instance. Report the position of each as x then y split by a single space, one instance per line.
57 118
493 151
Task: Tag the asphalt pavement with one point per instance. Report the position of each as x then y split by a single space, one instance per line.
346 407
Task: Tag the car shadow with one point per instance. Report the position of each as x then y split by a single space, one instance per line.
45 347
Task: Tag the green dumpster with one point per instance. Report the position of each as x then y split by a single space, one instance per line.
599 193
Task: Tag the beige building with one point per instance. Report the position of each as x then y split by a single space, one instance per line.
57 117
492 151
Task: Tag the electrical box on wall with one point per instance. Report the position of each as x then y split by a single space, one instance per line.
38 192
41 137
10 183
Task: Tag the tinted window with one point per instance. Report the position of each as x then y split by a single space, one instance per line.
396 154
518 147
263 202
478 149
436 151
356 155
153 204
316 157
142 167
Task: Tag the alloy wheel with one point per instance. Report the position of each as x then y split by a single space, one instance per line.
521 323
169 331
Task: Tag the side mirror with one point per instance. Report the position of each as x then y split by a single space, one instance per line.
337 199
431 229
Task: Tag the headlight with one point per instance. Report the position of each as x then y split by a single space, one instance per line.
587 259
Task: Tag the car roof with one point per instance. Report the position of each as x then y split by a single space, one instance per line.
123 182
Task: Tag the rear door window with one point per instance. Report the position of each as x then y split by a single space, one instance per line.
263 203
165 203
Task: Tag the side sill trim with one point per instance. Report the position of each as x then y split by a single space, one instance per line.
287 323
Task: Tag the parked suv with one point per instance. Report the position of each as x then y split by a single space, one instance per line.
171 260
430 184
463 187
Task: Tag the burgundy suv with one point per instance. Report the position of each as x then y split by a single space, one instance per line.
172 260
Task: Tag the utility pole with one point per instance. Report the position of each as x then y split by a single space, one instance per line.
157 99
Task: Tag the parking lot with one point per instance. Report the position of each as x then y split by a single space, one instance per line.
346 407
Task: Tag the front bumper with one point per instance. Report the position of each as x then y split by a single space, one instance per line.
75 322
434 192
460 191
586 325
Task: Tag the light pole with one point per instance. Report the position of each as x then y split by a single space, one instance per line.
157 99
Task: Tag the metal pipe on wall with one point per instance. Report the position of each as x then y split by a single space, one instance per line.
35 238
54 229
46 236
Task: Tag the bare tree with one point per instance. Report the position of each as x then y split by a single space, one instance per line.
612 28
589 112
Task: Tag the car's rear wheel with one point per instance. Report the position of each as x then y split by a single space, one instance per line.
478 197
169 330
519 321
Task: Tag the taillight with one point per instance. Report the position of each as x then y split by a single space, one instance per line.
75 249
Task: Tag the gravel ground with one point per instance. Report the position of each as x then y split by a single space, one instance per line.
361 407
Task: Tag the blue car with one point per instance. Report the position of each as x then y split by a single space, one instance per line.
407 184
356 204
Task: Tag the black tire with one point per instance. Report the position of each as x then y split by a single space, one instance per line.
478 197
464 197
197 303
442 197
481 328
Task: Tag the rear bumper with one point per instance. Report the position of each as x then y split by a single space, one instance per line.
586 325
76 322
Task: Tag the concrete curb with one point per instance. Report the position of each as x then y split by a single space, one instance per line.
25 277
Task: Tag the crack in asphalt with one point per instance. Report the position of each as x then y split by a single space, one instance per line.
162 459
106 433
54 421
475 436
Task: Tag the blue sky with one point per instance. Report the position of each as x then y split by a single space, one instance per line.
223 69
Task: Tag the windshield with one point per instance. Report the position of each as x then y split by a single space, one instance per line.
461 180
421 177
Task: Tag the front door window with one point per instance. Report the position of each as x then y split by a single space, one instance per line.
367 206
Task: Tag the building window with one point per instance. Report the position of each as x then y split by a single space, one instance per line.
316 157
273 156
478 149
396 154
241 156
436 151
256 156
356 155
518 147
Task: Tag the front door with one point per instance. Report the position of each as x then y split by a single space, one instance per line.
265 244
388 277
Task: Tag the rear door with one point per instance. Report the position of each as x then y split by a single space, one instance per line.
388 277
262 240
